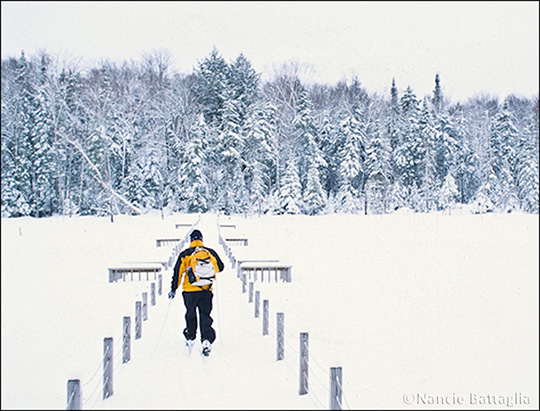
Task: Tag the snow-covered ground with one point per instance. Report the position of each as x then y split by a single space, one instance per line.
419 310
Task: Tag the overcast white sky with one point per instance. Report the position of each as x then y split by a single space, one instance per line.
476 47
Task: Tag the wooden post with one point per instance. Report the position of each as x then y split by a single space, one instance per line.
257 303
250 292
74 397
153 294
243 283
280 336
336 388
107 367
160 280
138 320
304 358
145 306
126 352
266 314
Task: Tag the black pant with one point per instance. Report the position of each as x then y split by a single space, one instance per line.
203 301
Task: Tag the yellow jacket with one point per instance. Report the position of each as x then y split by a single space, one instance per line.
184 261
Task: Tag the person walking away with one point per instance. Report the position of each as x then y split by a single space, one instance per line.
195 269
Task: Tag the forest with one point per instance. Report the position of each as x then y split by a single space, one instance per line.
134 137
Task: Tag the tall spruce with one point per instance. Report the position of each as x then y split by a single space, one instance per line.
429 136
193 177
291 190
503 143
210 88
351 156
408 154
378 170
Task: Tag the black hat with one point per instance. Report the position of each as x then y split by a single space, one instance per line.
196 235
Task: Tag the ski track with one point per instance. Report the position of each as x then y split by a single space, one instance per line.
240 355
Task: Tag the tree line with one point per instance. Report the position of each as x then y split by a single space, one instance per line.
137 136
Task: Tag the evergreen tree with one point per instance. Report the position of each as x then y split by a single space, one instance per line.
233 192
153 177
133 186
260 153
329 135
193 180
430 183
449 193
42 140
527 171
409 155
243 86
393 127
306 134
379 170
291 190
437 95
503 143
351 164
464 159
210 88
314 196
446 149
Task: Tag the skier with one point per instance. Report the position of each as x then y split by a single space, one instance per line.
197 292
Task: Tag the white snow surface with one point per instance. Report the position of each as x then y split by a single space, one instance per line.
421 311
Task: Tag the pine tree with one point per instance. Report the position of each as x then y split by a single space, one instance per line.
291 190
379 170
446 145
306 134
408 154
243 86
42 141
449 193
393 127
133 186
351 164
464 158
153 176
429 186
193 179
260 153
527 171
437 95
330 148
314 196
503 143
233 191
210 88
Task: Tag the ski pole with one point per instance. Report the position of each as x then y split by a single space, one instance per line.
164 322
218 313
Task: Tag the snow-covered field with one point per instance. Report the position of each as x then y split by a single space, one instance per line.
420 311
